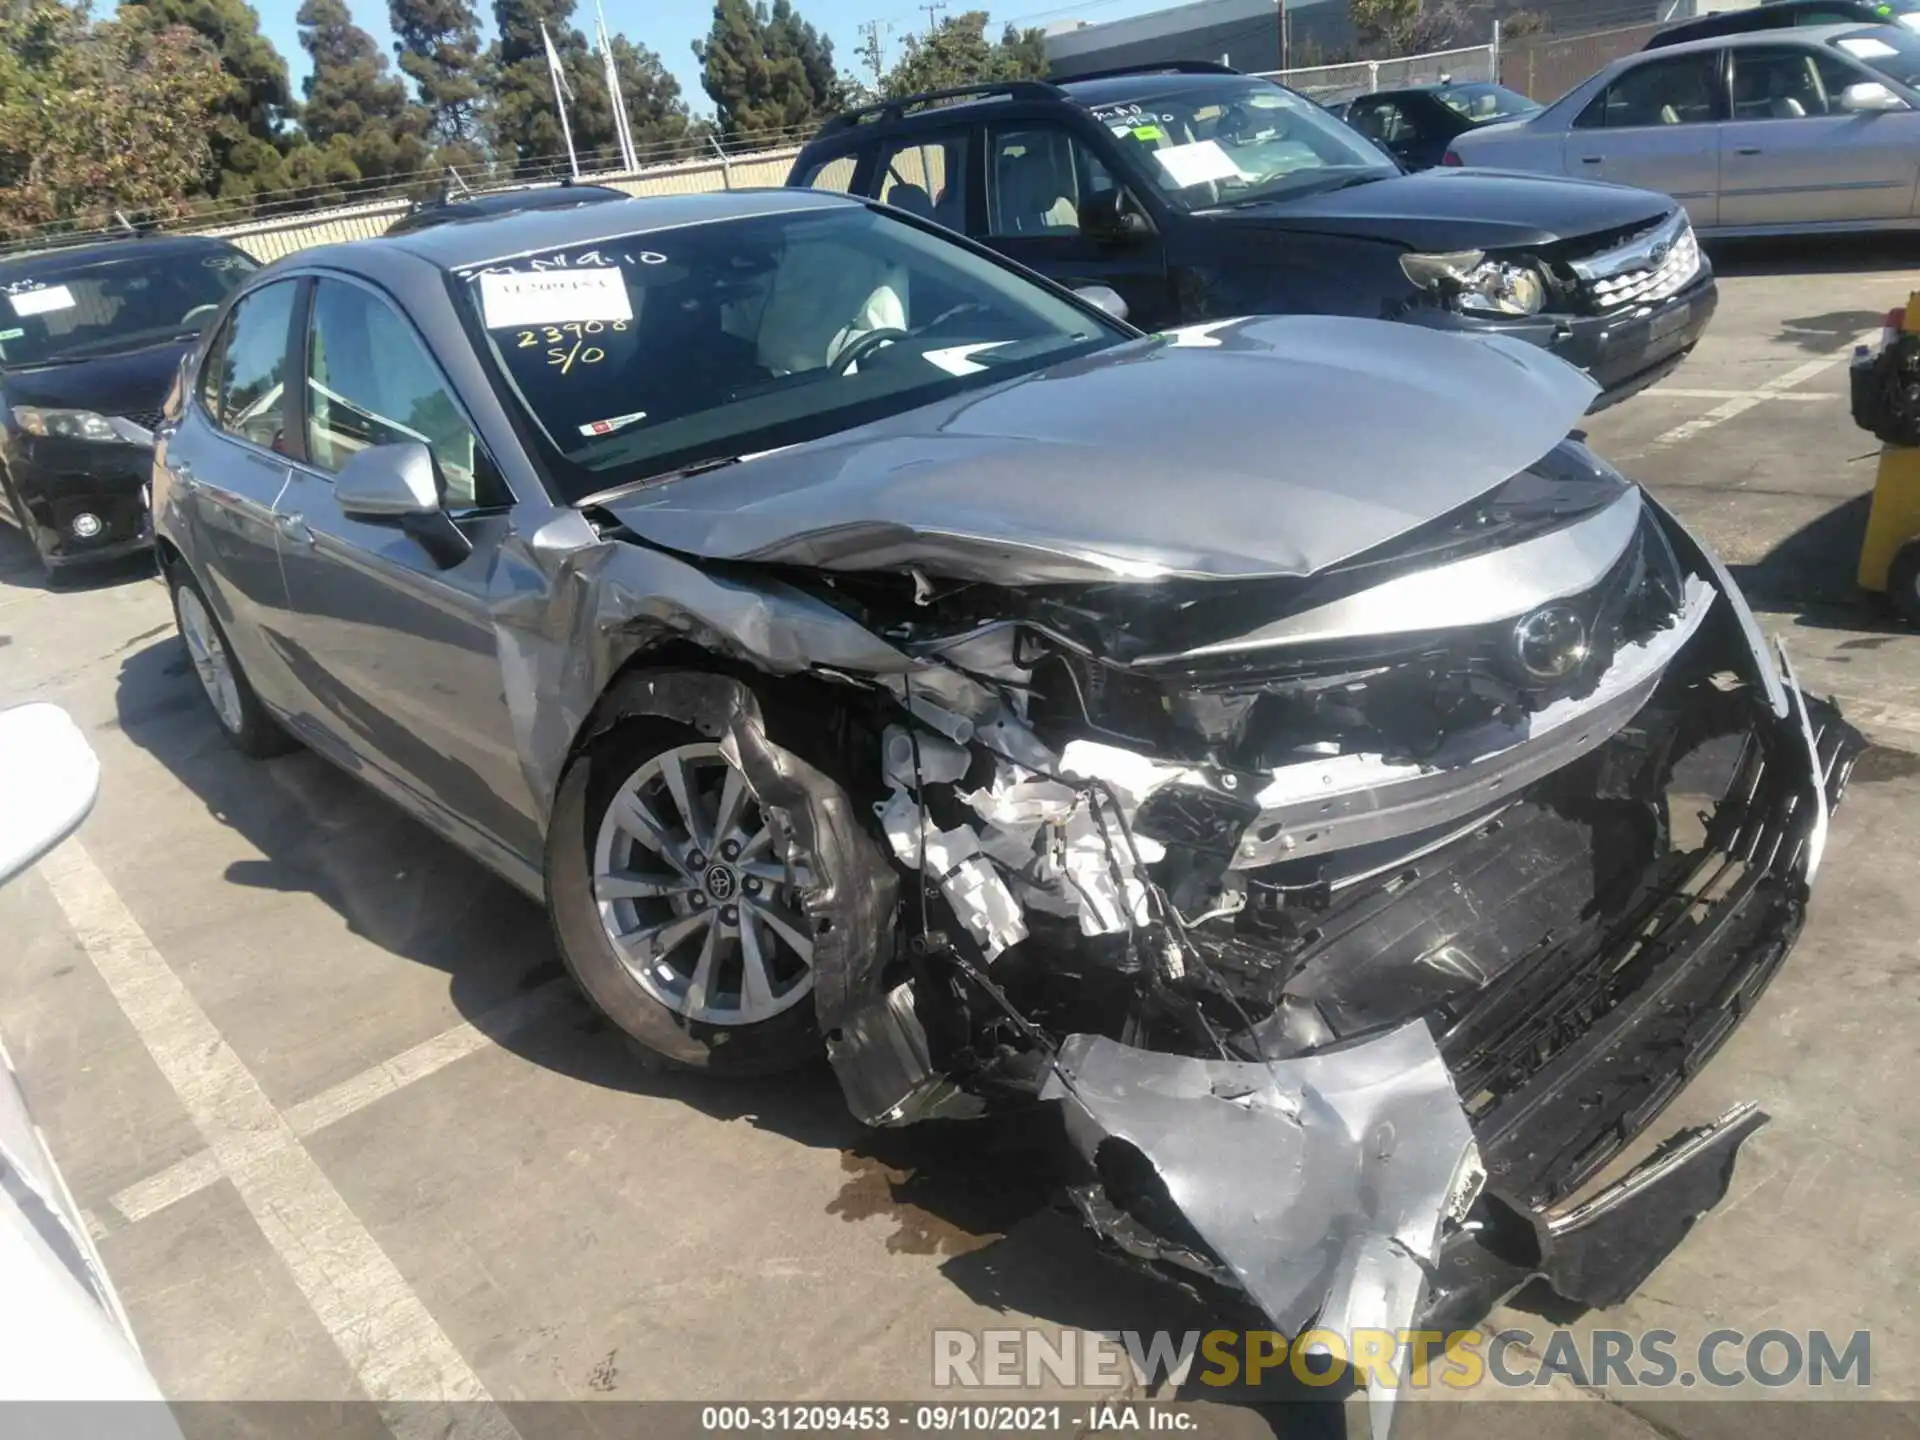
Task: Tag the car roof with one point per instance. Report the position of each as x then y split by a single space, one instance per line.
1745 39
1115 89
464 243
29 262
500 202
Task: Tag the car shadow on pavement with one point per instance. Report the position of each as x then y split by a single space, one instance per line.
1810 574
1813 255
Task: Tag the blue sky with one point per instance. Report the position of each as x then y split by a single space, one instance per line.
671 28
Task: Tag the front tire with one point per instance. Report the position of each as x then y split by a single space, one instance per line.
673 908
242 718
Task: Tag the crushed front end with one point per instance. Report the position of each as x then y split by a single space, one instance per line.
1356 942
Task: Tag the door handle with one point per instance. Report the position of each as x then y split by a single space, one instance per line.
1593 159
294 527
1748 150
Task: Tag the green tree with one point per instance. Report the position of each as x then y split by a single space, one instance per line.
767 72
249 125
100 117
522 120
438 45
354 103
656 110
959 53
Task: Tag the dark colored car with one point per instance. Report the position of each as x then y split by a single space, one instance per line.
91 338
1416 124
501 202
1200 194
1788 14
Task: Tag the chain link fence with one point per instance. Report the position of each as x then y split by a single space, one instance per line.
1328 83
1545 67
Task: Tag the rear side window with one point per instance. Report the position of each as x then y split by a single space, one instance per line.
242 381
834 174
1681 90
926 176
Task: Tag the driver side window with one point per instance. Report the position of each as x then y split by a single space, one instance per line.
370 381
1039 178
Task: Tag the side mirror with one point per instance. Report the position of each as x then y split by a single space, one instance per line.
399 482
1103 297
1113 215
1869 97
49 777
387 482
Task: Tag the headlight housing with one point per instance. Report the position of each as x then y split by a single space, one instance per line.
66 424
1477 285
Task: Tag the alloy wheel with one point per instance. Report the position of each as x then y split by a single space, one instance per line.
210 659
700 909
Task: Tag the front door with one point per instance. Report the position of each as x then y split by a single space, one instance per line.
1040 177
398 654
1657 127
228 460
1790 155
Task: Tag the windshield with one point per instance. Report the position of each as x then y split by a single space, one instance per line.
649 353
1485 104
1240 139
1894 53
69 311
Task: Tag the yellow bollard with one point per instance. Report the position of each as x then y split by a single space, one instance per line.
1890 553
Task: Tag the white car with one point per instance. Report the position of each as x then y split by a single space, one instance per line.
1777 132
63 1334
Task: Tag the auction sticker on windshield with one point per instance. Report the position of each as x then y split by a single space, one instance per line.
1197 163
42 301
553 297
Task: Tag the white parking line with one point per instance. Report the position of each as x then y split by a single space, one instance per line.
1673 392
197 1171
1740 401
395 1348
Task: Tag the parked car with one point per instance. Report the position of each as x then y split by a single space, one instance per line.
1200 194
1788 132
90 339
445 209
1416 124
1252 739
64 1335
1785 14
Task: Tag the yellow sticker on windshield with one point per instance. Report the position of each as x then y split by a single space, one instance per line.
1148 132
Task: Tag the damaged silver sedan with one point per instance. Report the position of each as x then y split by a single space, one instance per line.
1279 746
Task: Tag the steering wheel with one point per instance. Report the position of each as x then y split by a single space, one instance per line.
866 345
198 312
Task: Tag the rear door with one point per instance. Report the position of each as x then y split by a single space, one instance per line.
1657 126
229 464
1790 155
396 652
1040 176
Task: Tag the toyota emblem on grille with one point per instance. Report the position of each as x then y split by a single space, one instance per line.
1551 643
1658 255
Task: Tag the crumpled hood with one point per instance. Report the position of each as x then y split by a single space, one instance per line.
135 381
1451 209
1241 449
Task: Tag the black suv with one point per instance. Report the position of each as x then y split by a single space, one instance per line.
1198 193
1788 15
91 338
